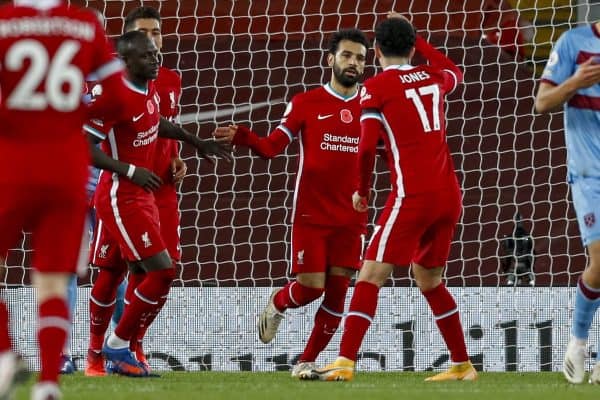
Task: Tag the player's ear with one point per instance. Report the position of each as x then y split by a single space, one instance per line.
330 59
378 53
412 53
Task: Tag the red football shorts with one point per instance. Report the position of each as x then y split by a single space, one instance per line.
105 251
168 211
316 247
55 217
416 229
134 225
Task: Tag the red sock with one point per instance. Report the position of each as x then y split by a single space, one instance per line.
447 318
143 327
328 317
4 336
53 327
294 295
102 305
145 299
360 315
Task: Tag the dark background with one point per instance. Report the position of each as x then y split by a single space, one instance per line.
235 217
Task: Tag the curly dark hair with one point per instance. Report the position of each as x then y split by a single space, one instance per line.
353 35
395 37
140 13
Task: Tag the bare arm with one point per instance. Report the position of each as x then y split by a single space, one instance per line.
205 148
551 97
138 175
266 147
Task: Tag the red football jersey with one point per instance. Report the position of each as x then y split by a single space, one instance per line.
46 51
408 103
131 137
328 128
168 87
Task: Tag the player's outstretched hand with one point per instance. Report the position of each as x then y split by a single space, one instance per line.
210 147
225 134
147 179
359 202
178 169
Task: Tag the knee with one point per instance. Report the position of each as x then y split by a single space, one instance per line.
427 279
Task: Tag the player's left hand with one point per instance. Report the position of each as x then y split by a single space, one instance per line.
209 147
225 134
359 202
179 169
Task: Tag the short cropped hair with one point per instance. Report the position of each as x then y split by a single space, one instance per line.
143 12
353 35
129 41
395 37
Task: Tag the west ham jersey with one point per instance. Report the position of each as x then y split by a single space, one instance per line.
328 128
168 87
582 111
130 137
46 50
409 103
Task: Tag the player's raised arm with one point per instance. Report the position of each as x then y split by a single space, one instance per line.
205 147
266 147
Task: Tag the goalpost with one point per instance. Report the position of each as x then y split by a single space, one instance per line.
240 61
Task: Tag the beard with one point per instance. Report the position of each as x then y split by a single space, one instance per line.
343 79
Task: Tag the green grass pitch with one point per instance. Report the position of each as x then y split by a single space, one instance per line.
279 385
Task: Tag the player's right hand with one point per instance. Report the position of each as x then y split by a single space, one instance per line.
147 179
225 134
359 202
588 73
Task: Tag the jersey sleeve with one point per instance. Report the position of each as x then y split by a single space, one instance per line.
97 127
371 123
293 119
452 75
561 64
106 64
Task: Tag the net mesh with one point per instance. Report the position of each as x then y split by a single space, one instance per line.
240 61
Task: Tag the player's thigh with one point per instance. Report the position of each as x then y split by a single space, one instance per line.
586 201
136 228
345 246
14 212
434 245
397 233
105 251
308 248
170 229
60 237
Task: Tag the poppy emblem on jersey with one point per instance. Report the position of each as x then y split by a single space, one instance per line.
150 106
589 220
346 116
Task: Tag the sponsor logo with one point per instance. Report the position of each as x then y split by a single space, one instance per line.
320 117
301 257
346 116
146 240
589 219
137 117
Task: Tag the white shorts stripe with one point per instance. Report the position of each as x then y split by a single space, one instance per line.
387 229
97 240
113 199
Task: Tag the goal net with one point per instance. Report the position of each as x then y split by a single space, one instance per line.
517 251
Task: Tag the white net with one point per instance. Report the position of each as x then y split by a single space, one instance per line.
241 61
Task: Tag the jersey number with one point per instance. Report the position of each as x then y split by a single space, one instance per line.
57 72
434 91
